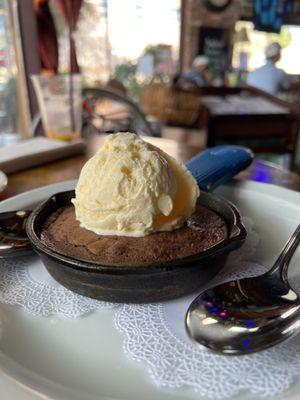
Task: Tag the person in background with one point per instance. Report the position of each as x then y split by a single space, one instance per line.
268 77
199 75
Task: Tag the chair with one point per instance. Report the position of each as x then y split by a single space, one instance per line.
106 111
170 105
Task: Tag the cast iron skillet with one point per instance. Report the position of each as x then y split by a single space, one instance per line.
161 281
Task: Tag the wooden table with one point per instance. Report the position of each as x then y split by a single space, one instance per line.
70 168
253 121
251 118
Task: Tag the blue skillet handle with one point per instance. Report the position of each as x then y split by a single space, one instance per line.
218 165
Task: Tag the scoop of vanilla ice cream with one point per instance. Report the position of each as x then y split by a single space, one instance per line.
132 188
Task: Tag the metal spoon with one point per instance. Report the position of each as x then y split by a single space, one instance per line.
248 315
13 237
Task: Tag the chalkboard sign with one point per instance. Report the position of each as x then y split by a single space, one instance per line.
214 43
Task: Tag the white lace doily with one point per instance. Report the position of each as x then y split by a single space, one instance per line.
155 335
25 282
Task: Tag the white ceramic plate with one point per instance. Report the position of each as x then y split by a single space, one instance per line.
82 359
3 181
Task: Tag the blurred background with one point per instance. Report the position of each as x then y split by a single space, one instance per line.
175 69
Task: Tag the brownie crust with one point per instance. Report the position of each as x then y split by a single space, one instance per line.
63 234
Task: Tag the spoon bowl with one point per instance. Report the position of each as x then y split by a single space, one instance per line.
248 315
13 236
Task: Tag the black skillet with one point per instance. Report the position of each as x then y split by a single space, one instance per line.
160 281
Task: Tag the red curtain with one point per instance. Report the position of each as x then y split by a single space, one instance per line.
70 10
47 39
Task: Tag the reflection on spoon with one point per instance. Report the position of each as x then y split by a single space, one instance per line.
13 237
248 315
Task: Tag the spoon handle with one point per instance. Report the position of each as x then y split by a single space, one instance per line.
219 164
282 262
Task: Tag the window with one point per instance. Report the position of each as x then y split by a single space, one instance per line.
14 114
248 52
128 40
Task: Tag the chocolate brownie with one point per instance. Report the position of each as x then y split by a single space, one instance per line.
203 230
